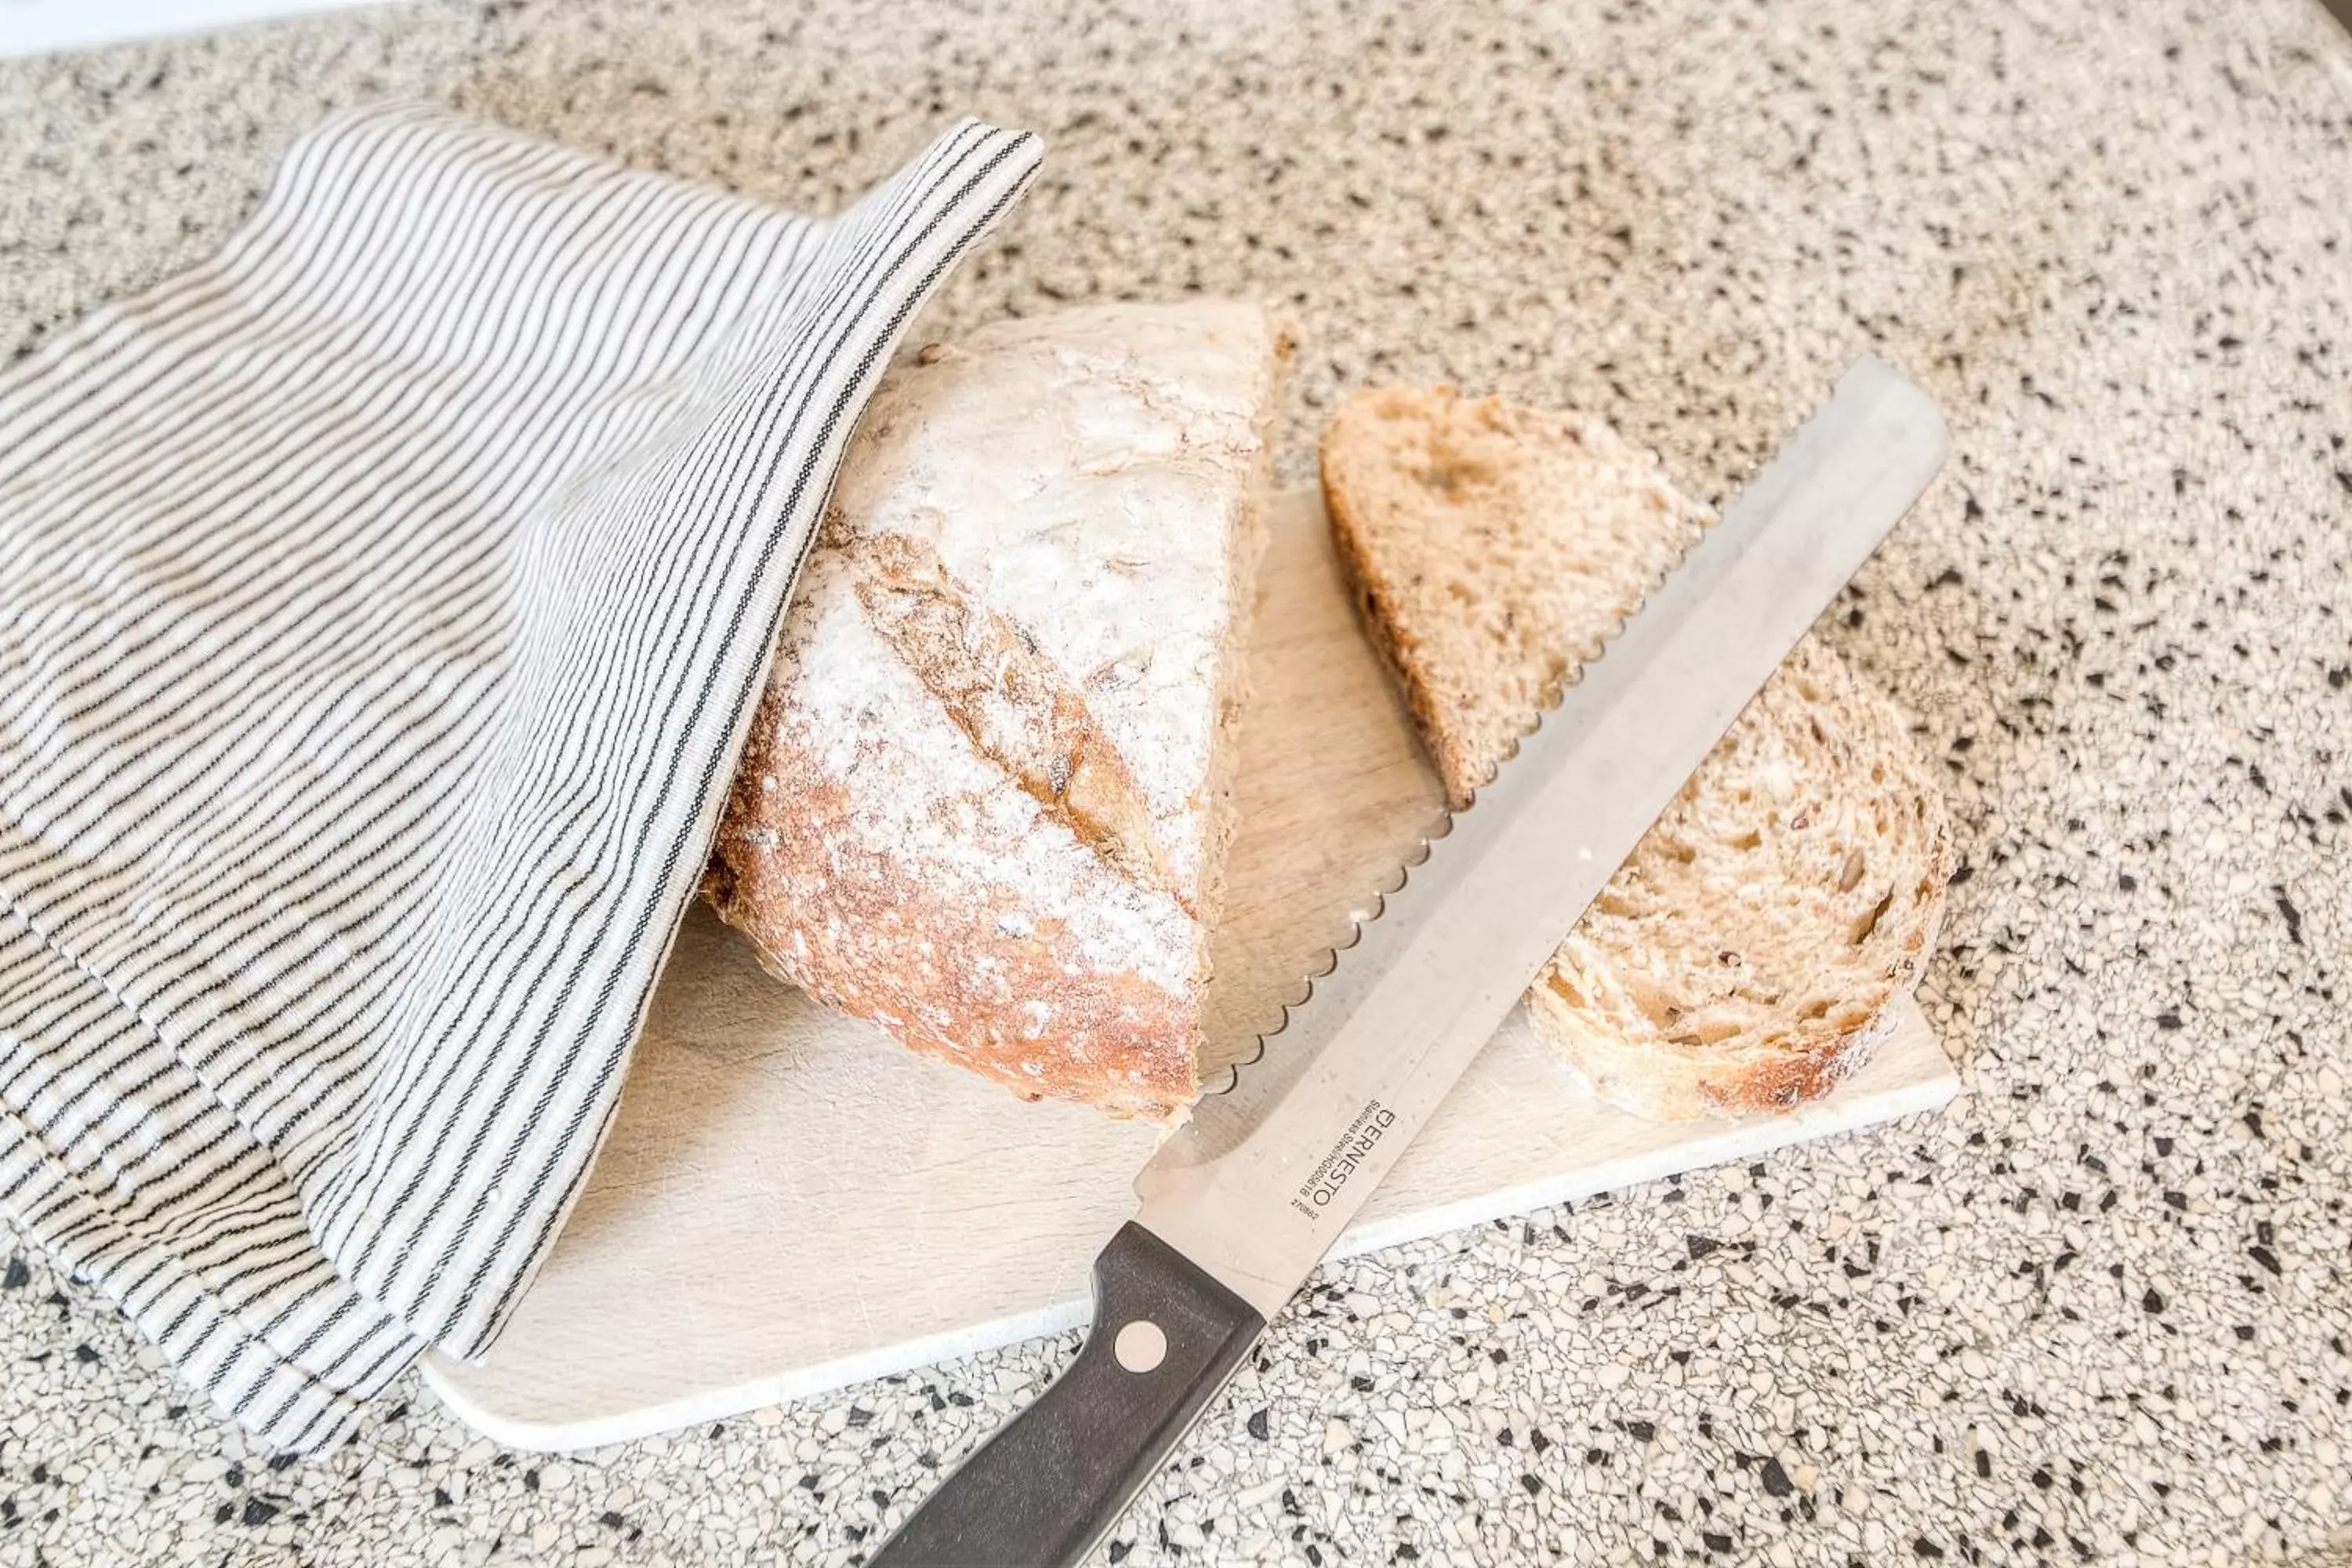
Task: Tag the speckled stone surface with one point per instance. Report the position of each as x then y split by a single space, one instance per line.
2099 1310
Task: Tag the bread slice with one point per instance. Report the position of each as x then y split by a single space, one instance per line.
1494 548
1744 956
986 797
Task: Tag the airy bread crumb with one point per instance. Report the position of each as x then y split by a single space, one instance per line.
1743 957
1496 548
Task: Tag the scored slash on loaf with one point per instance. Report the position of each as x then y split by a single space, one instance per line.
985 799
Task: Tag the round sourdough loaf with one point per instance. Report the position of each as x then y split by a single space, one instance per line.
985 798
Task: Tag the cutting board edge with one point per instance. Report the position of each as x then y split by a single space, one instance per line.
1720 1144
444 1374
555 1381
1733 1141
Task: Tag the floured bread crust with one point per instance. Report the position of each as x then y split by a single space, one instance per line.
984 799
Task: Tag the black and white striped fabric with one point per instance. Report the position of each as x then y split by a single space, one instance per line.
382 607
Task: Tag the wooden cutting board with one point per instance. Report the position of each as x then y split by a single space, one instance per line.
790 1201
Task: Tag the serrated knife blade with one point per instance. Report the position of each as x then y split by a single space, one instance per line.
1240 1205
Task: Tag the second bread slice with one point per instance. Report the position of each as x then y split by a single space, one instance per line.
1746 955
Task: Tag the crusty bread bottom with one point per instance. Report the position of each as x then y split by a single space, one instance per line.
1664 1082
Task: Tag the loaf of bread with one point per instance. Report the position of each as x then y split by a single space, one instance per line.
1744 956
985 798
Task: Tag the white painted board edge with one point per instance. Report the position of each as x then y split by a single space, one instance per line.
1446 1182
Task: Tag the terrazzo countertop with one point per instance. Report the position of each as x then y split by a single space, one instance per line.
2099 1309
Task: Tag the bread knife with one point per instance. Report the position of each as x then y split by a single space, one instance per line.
1240 1204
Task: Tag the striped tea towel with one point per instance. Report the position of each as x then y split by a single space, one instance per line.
382 606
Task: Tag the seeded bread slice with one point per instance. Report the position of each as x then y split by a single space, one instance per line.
1746 955
1743 958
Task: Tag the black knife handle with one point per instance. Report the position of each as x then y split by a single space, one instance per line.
1053 1479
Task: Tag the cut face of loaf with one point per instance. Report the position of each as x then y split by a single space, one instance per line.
1744 957
986 797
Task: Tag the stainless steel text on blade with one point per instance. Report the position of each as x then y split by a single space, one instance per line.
1258 1186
